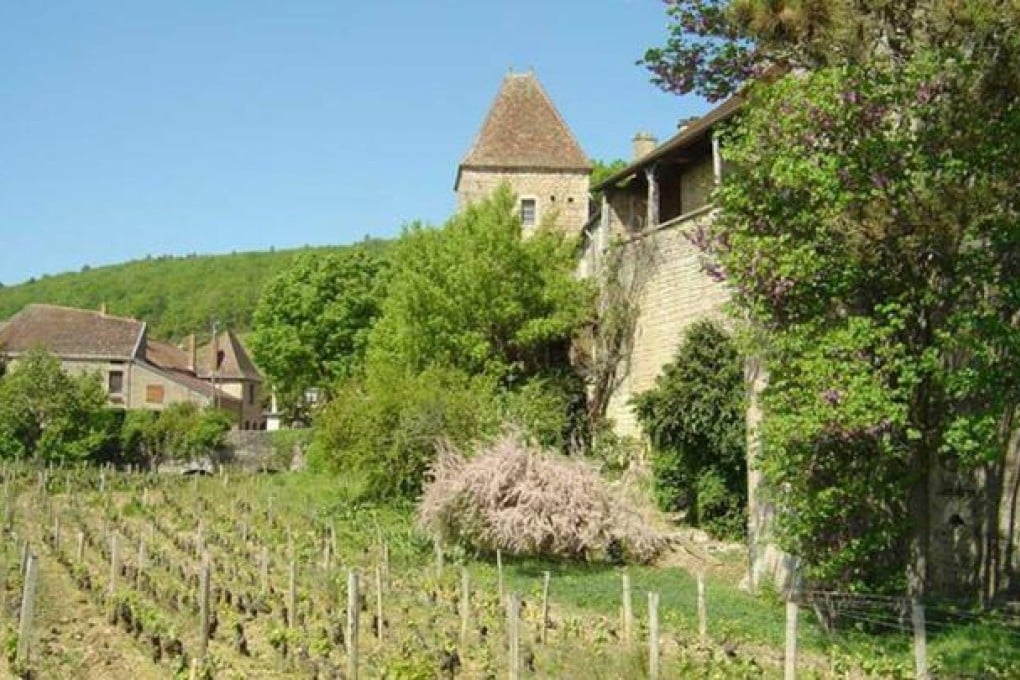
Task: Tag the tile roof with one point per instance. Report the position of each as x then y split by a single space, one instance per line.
165 355
524 130
694 132
71 332
236 363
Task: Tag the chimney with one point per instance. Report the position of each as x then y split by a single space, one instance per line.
644 144
192 354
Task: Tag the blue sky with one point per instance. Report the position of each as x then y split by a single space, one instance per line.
131 128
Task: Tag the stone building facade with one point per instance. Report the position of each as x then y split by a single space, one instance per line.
137 371
525 143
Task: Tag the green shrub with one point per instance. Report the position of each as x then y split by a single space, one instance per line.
380 431
695 418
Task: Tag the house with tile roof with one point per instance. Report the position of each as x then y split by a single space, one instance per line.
137 371
525 143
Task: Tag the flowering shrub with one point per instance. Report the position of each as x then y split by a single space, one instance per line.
523 500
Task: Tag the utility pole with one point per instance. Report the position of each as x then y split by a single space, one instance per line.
215 362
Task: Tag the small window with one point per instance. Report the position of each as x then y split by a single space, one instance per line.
115 382
528 212
251 394
154 394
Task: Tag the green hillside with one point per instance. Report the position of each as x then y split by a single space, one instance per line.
176 295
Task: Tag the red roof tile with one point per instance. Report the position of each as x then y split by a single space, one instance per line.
524 130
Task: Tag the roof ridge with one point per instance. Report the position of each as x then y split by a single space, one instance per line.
93 312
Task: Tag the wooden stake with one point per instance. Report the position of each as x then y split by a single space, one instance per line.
114 563
499 576
378 603
465 604
920 640
264 569
203 585
80 554
545 607
291 594
439 557
790 660
27 610
514 651
628 610
352 624
702 609
653 636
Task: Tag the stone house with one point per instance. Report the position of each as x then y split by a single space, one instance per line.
137 371
525 143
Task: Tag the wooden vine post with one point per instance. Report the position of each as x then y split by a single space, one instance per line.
653 636
352 624
203 585
465 604
379 602
114 564
264 570
920 640
545 607
27 610
80 552
499 577
702 608
439 557
628 610
790 657
292 595
514 651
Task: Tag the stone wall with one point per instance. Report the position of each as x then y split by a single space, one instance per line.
674 294
565 193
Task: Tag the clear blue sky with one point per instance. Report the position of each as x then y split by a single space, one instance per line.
168 127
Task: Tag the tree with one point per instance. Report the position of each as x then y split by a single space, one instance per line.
474 331
478 297
694 417
869 229
48 415
313 320
715 46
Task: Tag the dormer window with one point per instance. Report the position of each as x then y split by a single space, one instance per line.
528 212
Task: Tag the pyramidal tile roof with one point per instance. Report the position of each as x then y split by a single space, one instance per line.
525 131
236 363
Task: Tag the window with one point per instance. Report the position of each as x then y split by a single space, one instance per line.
115 382
251 394
154 394
528 210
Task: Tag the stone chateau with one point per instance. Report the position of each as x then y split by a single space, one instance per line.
649 208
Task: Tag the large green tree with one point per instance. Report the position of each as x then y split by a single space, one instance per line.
48 415
313 320
870 232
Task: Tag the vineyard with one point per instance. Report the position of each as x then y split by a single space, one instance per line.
110 574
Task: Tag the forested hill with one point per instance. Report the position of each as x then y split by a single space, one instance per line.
176 295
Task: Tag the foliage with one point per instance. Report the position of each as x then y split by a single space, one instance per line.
174 295
694 416
869 232
474 331
380 430
181 431
477 297
515 497
48 415
714 46
312 322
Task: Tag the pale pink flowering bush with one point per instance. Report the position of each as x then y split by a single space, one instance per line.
520 499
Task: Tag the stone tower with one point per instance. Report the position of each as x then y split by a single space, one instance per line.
525 143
